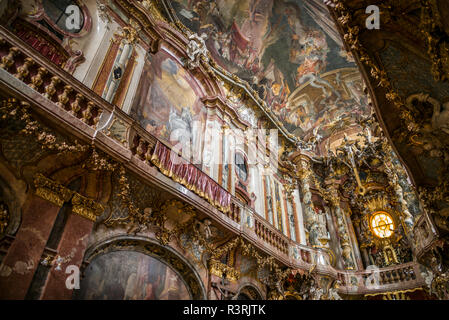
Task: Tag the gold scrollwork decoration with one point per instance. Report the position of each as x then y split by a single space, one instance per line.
86 207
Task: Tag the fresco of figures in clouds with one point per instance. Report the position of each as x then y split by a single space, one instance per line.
168 103
277 46
129 275
332 103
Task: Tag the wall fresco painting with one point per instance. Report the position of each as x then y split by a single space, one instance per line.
129 275
323 107
169 104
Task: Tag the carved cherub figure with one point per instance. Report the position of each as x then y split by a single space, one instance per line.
146 218
140 222
206 229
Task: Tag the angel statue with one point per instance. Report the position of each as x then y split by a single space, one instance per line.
205 228
428 278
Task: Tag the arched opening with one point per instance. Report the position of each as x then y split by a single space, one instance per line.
136 269
249 292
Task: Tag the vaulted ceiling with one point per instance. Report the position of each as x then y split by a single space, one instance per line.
290 52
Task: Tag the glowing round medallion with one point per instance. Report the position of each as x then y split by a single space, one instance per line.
382 224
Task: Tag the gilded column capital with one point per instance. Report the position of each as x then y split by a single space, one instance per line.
86 207
289 188
4 217
51 191
333 196
303 170
130 35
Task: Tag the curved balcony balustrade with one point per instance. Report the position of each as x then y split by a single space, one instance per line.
398 277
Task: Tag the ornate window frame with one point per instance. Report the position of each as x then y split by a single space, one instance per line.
377 213
42 15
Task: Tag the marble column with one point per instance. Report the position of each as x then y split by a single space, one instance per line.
38 216
342 228
392 172
71 247
314 225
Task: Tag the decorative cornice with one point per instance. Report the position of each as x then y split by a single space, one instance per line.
58 194
51 190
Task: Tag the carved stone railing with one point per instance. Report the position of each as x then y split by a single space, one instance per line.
64 97
255 227
52 82
399 277
267 233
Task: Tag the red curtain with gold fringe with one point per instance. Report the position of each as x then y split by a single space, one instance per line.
185 173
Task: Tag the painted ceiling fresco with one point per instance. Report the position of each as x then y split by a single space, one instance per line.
289 52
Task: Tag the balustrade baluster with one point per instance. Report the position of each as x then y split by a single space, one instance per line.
8 60
50 90
76 105
87 113
64 97
23 70
140 150
37 80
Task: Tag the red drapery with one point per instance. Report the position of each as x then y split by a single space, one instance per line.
185 173
40 42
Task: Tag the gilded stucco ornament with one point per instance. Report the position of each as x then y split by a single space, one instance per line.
151 6
4 217
130 35
351 26
14 109
51 190
196 51
154 217
86 207
215 266
437 40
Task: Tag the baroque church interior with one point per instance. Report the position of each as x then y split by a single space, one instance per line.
224 150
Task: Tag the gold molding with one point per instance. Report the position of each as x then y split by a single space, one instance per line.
217 268
86 207
51 191
389 293
58 194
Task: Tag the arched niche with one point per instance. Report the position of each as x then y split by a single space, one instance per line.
137 268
